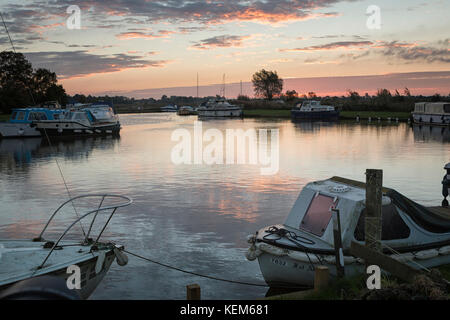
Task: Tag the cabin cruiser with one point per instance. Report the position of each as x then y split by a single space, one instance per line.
219 107
288 253
19 124
169 108
81 121
186 111
313 110
25 259
432 113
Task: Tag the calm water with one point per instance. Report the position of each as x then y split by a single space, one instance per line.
197 217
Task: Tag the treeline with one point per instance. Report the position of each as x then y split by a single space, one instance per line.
21 85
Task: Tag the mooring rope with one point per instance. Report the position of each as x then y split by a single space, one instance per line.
207 276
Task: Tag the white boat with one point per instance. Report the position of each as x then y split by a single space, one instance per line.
432 113
313 110
169 108
288 253
219 108
82 121
30 258
19 124
186 111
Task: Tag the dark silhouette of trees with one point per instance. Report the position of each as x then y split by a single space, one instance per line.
267 84
21 86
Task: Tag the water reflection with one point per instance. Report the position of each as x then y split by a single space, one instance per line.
197 217
431 133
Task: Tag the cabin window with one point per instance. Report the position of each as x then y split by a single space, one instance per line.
20 115
14 115
80 116
392 225
56 116
318 215
37 116
447 108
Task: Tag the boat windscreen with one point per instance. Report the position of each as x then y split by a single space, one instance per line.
318 215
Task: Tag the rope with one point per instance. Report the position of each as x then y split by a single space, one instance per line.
64 180
206 276
195 273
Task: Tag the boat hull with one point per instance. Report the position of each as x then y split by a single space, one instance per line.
17 130
282 271
63 129
234 113
431 119
314 115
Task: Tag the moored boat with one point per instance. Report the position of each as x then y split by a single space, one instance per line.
25 259
313 110
82 121
432 113
288 253
19 124
219 108
169 108
186 111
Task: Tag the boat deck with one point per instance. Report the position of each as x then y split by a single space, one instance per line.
19 259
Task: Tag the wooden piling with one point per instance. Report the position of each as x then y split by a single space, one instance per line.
374 183
321 276
193 292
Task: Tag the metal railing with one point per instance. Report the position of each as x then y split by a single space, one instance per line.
113 209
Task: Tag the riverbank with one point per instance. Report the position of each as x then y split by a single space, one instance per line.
363 115
4 117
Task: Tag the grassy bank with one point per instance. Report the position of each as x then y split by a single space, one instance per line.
282 113
4 117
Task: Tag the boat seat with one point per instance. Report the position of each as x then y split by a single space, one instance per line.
432 219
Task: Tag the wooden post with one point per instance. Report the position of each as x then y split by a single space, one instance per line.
321 278
340 271
374 183
193 292
372 257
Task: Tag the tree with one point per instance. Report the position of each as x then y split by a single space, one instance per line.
20 85
267 84
15 81
291 95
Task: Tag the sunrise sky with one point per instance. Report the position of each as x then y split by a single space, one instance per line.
139 48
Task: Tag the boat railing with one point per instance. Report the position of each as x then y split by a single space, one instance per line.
127 201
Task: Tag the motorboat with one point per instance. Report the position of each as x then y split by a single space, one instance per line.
19 124
219 107
432 113
313 110
186 111
169 108
81 121
288 253
25 259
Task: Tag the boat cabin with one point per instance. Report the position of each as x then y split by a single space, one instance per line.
438 108
313 106
404 222
28 115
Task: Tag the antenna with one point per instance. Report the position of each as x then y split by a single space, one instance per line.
224 85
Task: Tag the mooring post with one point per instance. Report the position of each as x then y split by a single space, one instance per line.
321 277
193 292
374 184
340 271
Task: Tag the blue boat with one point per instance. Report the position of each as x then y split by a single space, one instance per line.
19 125
313 110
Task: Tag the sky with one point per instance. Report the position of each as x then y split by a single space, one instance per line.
142 48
